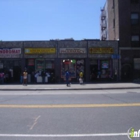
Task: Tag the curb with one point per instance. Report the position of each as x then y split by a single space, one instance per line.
69 89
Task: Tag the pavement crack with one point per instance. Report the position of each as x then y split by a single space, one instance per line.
34 123
122 101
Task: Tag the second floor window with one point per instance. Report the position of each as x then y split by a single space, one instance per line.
135 40
134 18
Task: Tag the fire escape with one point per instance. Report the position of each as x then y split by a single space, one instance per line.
103 25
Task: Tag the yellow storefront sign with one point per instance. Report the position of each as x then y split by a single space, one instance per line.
40 50
103 50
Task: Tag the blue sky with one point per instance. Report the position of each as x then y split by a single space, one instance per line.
49 19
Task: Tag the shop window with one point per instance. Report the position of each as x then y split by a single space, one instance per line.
70 65
30 65
74 66
105 69
39 64
31 62
49 64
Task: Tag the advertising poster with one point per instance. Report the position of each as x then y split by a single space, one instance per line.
40 64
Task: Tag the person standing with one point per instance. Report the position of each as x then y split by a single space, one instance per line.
25 77
81 77
67 75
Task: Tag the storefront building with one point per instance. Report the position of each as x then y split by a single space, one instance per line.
40 58
11 60
103 66
129 64
93 57
72 57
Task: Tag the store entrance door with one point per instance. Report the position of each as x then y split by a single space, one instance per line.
16 73
93 72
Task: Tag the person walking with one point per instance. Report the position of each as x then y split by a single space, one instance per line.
67 75
25 77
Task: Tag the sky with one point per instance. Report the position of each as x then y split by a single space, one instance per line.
49 19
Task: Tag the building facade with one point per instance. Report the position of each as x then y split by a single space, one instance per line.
122 18
94 57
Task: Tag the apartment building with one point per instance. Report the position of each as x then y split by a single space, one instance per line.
120 21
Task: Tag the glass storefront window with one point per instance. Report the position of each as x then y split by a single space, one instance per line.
49 64
105 69
39 64
74 66
70 65
80 66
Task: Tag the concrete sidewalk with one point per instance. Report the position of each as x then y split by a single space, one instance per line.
93 86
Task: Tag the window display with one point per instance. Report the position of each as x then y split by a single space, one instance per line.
105 64
49 64
40 64
30 62
74 66
80 66
70 65
105 69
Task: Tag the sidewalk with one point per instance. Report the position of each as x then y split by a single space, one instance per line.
93 86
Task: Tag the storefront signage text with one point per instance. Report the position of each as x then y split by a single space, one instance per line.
6 51
107 50
40 50
72 50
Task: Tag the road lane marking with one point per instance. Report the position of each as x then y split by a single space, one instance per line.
64 135
71 105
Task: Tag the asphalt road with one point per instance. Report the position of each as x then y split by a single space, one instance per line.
69 115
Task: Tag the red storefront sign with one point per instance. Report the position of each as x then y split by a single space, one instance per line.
6 51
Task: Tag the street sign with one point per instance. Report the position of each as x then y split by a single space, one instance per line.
115 56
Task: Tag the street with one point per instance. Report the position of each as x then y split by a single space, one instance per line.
69 114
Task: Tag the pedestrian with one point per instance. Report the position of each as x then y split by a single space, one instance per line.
25 77
81 77
67 75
